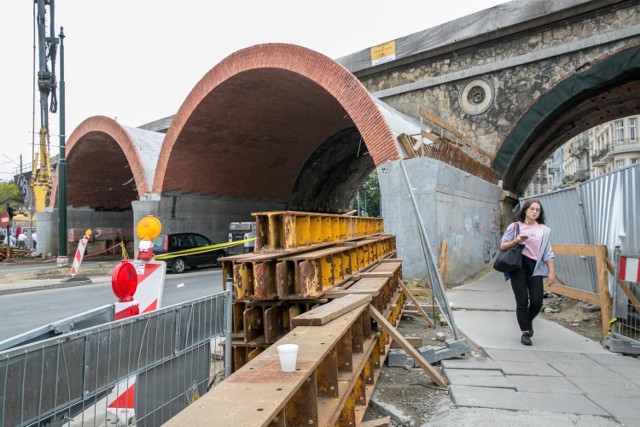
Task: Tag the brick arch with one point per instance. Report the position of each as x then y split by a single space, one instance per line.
276 102
104 169
608 89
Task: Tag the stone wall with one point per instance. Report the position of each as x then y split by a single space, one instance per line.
517 70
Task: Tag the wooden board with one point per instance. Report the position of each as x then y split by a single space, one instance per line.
260 390
412 352
326 313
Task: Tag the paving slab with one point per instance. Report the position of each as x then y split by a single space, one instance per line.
562 357
486 285
481 300
485 397
475 372
513 355
527 368
470 364
483 417
614 359
562 402
621 387
457 377
538 384
632 373
588 368
619 407
499 329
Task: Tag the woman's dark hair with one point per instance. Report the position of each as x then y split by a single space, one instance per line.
522 213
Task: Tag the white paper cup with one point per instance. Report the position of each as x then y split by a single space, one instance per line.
288 354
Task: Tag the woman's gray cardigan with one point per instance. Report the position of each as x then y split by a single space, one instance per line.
541 268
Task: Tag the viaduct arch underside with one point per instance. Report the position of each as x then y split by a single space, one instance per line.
607 90
253 134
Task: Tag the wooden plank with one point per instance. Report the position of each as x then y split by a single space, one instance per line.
629 295
259 391
412 352
439 122
417 304
574 293
442 263
579 250
603 286
415 341
325 313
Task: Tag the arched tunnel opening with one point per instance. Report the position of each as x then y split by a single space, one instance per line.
100 177
330 178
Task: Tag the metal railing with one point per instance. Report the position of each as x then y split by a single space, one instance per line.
141 370
625 324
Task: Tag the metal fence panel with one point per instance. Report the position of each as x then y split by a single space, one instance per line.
166 353
564 214
604 211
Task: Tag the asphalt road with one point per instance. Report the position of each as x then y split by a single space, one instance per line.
25 311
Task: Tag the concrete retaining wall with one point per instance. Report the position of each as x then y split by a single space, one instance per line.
456 207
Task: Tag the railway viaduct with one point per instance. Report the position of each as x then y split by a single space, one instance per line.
275 127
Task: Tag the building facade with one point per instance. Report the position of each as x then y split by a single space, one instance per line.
604 148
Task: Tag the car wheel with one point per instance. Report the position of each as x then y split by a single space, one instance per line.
178 265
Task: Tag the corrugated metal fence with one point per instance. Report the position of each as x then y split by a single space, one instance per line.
603 211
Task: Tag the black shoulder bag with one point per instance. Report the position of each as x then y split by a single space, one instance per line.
511 259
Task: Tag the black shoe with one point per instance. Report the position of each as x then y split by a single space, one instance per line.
526 339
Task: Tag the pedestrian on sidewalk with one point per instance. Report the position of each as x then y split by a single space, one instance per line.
537 263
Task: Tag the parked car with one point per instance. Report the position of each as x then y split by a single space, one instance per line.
168 243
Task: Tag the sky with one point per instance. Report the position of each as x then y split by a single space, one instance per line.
137 60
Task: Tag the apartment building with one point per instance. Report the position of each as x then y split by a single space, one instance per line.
594 152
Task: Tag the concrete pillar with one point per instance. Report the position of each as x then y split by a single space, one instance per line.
141 209
457 207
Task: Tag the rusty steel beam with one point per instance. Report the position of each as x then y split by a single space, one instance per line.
308 274
290 230
337 368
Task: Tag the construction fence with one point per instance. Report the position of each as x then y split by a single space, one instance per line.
139 371
602 211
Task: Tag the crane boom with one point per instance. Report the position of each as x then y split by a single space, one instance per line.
47 49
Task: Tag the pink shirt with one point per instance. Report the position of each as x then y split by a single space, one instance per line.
533 244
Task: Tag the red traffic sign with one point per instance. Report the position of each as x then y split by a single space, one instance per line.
5 219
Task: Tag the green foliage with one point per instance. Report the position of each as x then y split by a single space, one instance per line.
9 193
367 200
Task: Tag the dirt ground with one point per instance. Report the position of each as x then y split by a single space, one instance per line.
413 392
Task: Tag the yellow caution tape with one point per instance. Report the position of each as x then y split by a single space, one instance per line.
202 249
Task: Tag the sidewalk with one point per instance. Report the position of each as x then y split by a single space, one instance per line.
54 277
562 379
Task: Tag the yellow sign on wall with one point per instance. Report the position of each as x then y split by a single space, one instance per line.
382 53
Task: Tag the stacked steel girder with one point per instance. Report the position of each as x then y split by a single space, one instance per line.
299 258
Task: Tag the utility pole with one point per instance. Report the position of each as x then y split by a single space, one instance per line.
62 260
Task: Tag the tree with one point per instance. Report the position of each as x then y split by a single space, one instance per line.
9 193
367 200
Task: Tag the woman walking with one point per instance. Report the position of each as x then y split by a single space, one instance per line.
537 263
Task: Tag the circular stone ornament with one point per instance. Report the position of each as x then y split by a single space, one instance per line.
476 97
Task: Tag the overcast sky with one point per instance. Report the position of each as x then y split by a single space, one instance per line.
137 60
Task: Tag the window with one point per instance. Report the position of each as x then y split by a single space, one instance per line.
632 129
619 131
619 163
634 161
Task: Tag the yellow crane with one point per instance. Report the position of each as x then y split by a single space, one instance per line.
41 177
47 47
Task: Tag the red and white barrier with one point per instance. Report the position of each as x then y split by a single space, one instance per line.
629 269
77 259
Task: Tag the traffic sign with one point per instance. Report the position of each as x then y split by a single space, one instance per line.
5 219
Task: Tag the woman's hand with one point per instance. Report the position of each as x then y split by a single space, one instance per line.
551 278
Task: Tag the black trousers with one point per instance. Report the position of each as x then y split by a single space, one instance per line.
529 292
